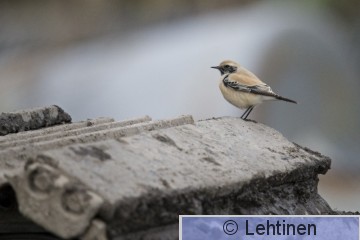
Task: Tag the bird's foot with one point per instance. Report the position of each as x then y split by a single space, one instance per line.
249 120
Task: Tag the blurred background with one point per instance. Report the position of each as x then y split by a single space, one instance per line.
125 59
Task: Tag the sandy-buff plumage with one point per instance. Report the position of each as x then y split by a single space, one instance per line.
244 89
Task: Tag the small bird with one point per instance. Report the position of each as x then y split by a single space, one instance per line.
243 89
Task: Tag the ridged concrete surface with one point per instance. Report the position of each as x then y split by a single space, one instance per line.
16 148
91 127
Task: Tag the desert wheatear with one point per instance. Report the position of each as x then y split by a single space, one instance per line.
243 89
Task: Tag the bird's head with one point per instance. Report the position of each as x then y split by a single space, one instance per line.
227 66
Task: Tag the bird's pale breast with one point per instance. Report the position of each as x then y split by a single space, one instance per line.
238 98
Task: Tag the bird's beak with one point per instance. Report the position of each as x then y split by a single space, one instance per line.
216 67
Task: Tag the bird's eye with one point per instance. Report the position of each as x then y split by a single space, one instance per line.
227 66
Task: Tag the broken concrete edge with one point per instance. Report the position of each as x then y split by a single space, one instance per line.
67 206
9 210
31 119
96 229
315 153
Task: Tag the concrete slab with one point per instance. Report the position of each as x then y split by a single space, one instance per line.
217 166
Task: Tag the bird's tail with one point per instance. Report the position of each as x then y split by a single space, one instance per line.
285 99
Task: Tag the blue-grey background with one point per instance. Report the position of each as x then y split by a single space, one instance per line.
125 59
327 228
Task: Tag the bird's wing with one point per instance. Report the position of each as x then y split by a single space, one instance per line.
247 82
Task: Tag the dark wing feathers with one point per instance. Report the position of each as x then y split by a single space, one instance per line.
262 89
235 86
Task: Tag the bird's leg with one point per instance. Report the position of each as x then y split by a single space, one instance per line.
248 112
242 116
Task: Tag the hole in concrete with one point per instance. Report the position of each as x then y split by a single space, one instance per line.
7 197
13 225
3 129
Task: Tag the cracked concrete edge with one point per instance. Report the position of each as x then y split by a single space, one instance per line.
30 119
57 202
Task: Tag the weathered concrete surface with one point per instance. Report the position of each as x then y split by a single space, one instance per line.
96 135
32 119
217 166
